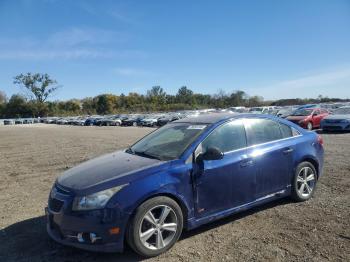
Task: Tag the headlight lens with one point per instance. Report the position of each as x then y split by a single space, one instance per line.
344 121
95 201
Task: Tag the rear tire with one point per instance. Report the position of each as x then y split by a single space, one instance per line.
304 182
156 226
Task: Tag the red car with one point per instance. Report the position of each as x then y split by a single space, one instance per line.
308 118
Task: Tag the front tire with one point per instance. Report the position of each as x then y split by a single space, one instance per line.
156 226
304 182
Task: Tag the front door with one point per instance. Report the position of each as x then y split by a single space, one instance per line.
227 182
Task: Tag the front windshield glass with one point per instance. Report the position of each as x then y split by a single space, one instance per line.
168 142
342 111
302 112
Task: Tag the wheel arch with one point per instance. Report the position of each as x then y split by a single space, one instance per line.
177 199
313 161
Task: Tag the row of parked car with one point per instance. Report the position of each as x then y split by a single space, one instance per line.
329 117
150 120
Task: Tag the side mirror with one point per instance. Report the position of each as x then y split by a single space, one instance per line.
213 153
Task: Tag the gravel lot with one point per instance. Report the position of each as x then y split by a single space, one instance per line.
32 156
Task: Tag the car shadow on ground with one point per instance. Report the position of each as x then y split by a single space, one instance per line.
28 241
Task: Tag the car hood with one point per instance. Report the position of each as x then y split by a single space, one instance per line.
106 168
296 118
340 117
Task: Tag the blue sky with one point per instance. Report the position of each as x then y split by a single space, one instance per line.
275 49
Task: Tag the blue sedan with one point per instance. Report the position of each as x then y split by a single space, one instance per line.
186 174
339 120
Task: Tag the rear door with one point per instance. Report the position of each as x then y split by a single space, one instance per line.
271 153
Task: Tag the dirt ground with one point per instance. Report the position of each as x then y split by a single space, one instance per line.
31 157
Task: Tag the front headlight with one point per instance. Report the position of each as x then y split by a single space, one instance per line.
345 121
95 201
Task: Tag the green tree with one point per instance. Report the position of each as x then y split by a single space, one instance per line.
237 98
157 96
185 95
255 101
3 98
105 104
40 86
88 106
18 107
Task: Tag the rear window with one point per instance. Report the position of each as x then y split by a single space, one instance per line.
286 131
261 131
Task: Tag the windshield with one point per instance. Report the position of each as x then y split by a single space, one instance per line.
302 112
342 111
168 142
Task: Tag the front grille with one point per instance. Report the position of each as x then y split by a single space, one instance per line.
333 121
55 204
333 127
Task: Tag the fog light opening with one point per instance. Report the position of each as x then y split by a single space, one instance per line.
94 237
80 238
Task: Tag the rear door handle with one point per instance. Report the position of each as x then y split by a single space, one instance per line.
246 162
288 150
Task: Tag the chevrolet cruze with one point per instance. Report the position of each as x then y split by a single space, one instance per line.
183 175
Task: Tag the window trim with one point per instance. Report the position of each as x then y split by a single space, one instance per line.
252 146
226 122
266 119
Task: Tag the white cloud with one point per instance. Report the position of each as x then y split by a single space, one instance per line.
73 43
315 80
132 72
80 36
332 83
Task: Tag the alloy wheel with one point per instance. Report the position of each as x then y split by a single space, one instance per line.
158 227
306 181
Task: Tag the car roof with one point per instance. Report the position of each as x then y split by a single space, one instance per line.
212 118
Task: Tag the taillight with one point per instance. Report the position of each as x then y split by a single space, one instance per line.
320 139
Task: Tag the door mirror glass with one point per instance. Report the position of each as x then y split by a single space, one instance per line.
212 153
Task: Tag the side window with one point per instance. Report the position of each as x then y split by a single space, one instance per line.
262 131
227 137
295 132
286 131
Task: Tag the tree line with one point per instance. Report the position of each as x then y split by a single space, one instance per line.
39 87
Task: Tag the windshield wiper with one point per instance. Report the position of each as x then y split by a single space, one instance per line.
144 154
130 151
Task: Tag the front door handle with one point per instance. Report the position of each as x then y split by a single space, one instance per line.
246 162
288 151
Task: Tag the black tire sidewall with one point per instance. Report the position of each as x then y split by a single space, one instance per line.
295 193
133 231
